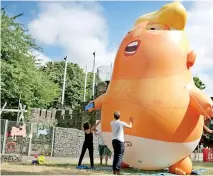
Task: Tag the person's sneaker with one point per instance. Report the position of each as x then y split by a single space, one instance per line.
119 173
81 167
195 173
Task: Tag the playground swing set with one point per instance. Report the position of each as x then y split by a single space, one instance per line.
18 130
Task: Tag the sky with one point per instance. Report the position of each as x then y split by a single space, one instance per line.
77 29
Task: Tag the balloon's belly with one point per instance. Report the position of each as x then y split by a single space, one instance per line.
151 154
169 124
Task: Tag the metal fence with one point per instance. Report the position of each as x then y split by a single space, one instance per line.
42 137
37 138
197 155
33 138
26 139
3 126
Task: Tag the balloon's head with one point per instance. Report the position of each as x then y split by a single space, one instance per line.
156 46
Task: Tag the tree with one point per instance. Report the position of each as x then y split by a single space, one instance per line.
75 80
19 75
198 83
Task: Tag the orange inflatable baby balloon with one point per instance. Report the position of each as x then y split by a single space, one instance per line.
152 82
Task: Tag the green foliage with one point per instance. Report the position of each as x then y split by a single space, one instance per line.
74 83
89 86
199 84
39 87
19 74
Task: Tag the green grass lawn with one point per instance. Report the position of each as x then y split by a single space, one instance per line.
51 168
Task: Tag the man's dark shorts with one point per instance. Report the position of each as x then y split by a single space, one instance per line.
104 151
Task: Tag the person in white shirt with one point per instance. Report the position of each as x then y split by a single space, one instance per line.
118 140
102 147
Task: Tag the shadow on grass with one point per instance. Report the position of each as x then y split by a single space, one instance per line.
61 165
65 165
3 172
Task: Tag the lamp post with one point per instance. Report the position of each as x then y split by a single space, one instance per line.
64 83
85 84
111 71
93 83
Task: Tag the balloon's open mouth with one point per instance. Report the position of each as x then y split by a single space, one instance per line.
132 47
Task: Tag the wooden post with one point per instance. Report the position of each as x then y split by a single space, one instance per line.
3 107
30 136
11 110
53 140
5 137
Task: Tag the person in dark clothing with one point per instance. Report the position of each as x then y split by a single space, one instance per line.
88 143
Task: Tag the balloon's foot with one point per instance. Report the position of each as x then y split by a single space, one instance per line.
183 167
124 165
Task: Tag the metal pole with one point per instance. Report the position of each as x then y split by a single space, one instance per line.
5 137
111 71
30 142
85 84
63 90
93 83
19 102
53 137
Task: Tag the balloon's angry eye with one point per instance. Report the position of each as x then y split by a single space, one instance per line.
132 47
153 28
156 27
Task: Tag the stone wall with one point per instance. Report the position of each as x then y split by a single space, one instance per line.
67 118
43 116
68 142
11 158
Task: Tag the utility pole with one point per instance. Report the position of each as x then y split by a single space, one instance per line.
93 83
85 84
64 83
19 101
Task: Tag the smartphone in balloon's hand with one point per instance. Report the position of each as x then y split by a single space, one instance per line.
89 106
